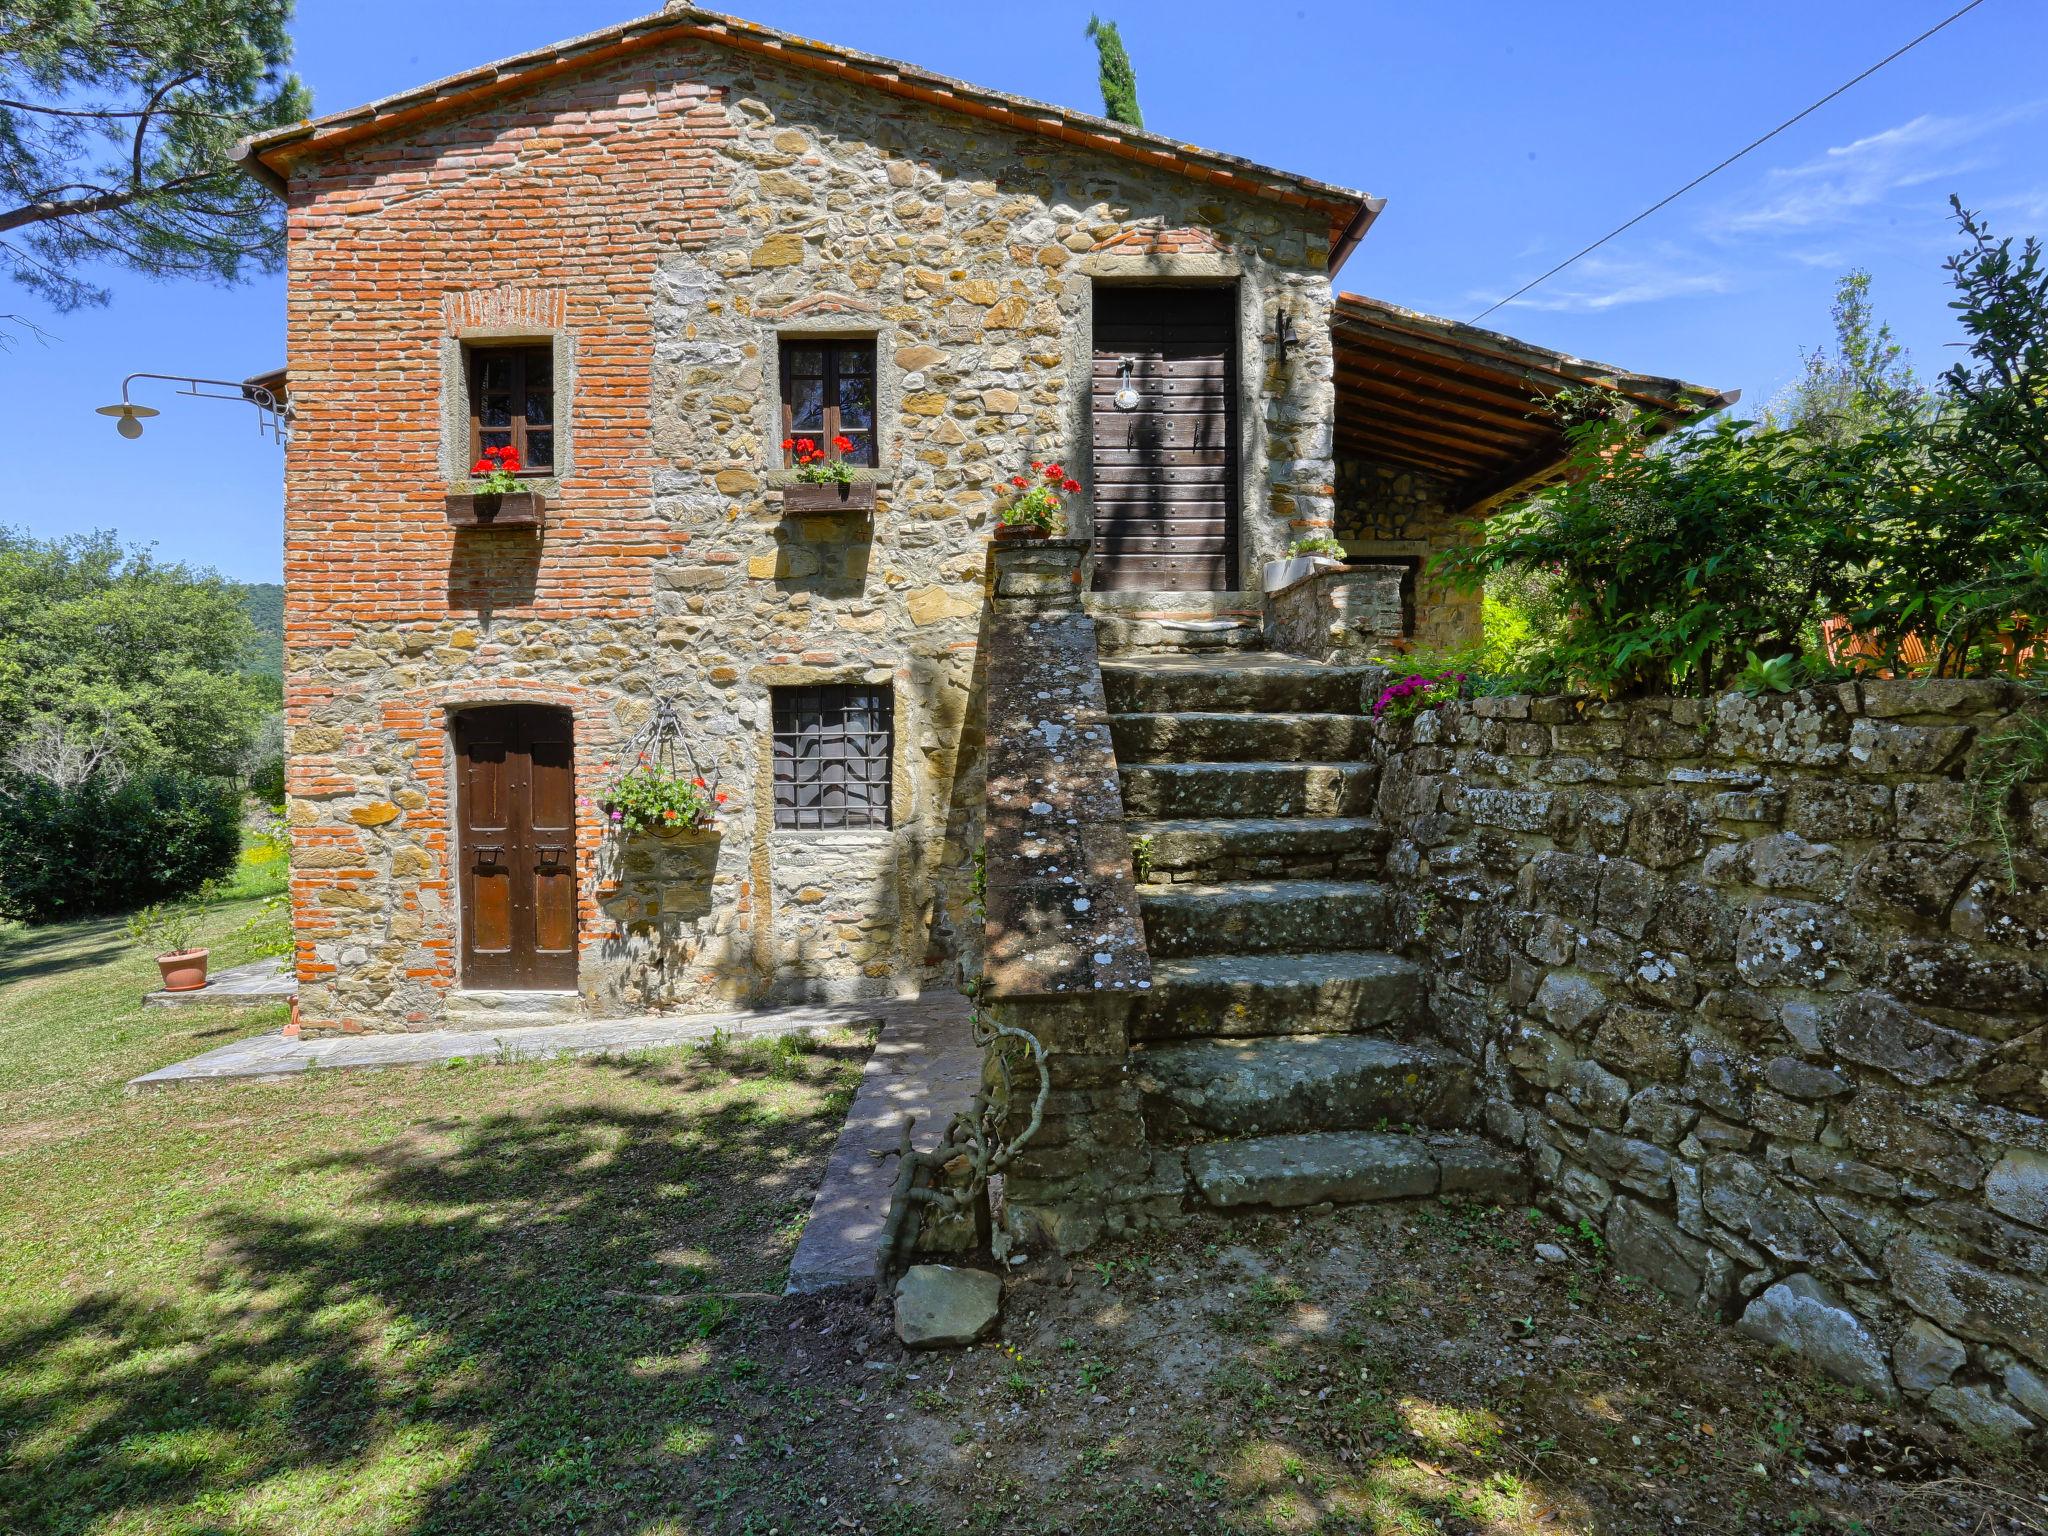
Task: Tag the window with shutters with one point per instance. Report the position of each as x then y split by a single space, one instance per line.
828 392
834 744
512 402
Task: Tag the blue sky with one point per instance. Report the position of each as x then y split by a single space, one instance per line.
1503 135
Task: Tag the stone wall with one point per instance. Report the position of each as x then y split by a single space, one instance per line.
1385 512
1066 953
1762 1004
1337 615
662 220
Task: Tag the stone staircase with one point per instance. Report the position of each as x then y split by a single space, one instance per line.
1278 1046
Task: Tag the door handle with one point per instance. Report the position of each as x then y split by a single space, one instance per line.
490 853
550 854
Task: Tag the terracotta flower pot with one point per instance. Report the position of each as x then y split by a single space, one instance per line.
184 971
1009 531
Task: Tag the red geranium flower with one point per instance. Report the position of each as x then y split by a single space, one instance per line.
788 443
481 467
700 783
1070 486
1019 481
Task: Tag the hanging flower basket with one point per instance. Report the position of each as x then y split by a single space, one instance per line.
661 790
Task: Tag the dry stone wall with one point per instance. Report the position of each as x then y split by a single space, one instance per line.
1387 512
662 221
1763 1003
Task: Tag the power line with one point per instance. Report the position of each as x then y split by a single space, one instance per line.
1704 175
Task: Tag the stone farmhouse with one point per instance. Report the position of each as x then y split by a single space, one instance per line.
644 258
1741 983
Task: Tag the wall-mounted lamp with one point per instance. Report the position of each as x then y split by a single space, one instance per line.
272 414
1127 392
1283 335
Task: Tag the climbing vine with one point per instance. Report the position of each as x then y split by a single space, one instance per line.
978 1133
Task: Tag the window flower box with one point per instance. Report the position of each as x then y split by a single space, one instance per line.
496 509
804 500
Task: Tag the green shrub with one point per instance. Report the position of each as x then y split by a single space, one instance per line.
1717 553
104 845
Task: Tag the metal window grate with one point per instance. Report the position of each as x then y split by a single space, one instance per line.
833 746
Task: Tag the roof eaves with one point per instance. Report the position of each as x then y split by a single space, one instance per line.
1676 395
1351 211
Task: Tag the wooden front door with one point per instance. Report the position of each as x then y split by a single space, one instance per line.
1165 505
516 811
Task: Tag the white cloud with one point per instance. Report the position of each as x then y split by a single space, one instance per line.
1600 282
1841 184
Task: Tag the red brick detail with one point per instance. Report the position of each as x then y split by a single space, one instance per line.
542 309
550 209
1161 242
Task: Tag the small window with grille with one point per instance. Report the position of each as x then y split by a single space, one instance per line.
512 402
833 745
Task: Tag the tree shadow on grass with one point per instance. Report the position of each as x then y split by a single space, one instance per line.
518 1323
27 952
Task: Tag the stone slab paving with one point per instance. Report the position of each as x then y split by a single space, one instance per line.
925 1064
258 982
271 1057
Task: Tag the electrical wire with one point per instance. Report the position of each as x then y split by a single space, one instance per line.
1704 175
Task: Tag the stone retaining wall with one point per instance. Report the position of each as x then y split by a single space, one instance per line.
1762 1004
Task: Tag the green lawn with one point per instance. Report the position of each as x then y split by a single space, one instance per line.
465 1299
541 1298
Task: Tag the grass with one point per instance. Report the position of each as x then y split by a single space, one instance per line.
503 1297
541 1297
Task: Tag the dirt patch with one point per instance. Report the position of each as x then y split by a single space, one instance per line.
1384 1369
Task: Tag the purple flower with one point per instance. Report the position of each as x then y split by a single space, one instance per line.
618 815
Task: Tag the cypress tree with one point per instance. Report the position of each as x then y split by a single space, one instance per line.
1119 80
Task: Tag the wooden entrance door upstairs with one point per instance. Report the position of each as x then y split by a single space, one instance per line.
516 813
1165 468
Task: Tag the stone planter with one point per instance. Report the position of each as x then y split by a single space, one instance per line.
511 509
1282 574
1048 574
184 970
801 500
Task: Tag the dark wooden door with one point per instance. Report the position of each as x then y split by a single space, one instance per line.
1165 505
516 810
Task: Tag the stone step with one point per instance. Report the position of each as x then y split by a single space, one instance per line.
1175 605
1250 680
1264 917
1167 791
1204 1090
1349 1166
475 1008
1119 634
1225 996
1240 737
1219 848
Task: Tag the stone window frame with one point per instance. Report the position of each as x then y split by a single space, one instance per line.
903 805
831 326
454 357
1219 269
